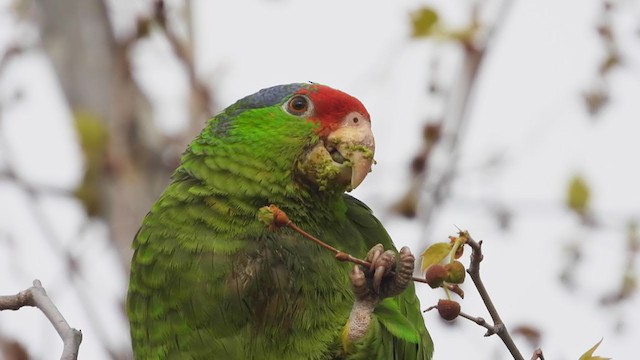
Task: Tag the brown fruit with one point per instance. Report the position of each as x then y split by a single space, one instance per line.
448 309
435 275
280 219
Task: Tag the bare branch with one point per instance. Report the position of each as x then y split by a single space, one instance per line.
474 271
37 296
480 321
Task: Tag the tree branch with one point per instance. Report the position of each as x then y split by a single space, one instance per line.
480 321
37 296
474 271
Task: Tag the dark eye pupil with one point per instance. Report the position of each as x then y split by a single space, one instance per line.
299 103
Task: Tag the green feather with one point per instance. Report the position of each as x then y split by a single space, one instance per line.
389 315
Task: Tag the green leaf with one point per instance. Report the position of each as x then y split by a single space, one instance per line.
422 22
589 354
389 315
435 253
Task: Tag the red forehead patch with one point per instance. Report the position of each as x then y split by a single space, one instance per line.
331 105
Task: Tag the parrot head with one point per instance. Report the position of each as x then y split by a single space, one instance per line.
336 151
342 154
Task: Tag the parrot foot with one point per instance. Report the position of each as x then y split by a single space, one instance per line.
377 282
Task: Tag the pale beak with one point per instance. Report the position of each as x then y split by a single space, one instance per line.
352 144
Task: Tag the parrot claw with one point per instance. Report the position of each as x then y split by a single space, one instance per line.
379 280
359 282
373 255
404 272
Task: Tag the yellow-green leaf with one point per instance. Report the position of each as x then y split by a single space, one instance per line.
422 22
578 195
589 354
435 253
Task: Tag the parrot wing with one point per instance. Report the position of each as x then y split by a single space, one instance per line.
400 332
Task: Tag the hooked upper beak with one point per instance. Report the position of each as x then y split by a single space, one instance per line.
352 145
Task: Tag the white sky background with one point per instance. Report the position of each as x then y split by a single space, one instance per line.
527 111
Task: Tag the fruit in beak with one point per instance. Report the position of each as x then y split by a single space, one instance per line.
344 157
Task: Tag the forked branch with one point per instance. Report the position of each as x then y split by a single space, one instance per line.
474 271
37 296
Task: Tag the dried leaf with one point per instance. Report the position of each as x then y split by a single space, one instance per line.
531 333
457 245
407 206
610 62
595 99
454 288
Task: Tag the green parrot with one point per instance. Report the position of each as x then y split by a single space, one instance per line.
209 280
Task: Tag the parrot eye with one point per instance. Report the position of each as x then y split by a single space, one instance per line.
298 105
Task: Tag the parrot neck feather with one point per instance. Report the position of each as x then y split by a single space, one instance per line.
254 162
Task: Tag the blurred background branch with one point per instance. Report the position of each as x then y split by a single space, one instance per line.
428 187
127 159
134 158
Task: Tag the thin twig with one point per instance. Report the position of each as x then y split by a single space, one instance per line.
281 219
537 355
340 255
480 321
37 296
474 271
184 53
